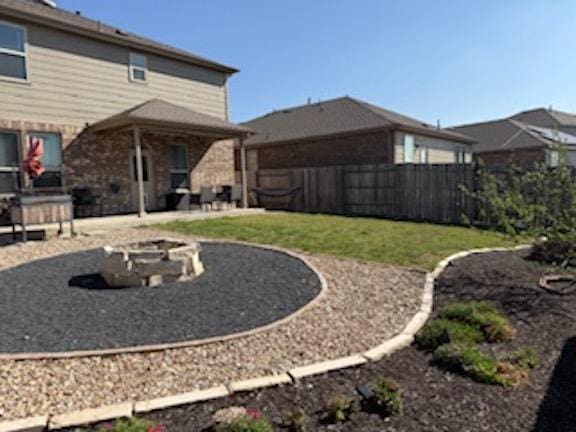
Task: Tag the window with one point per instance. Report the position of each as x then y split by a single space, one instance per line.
408 149
179 167
461 156
13 52
138 67
553 158
51 159
9 171
423 154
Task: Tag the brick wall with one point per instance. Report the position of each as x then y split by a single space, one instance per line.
519 157
366 148
101 161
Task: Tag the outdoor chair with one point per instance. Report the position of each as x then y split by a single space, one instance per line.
207 198
236 195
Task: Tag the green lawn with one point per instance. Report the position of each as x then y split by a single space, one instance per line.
409 244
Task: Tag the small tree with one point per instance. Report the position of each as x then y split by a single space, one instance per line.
539 202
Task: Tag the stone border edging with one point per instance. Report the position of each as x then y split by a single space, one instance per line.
127 409
197 342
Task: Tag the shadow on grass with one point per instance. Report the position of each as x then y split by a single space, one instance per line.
557 412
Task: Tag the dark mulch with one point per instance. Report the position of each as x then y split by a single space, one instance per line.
61 304
439 401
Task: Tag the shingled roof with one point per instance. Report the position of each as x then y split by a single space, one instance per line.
157 112
511 134
336 117
37 12
549 118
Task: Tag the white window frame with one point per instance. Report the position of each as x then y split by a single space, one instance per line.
23 54
423 154
553 158
410 159
132 68
460 154
12 169
181 170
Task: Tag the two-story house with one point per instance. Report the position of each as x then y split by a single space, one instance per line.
126 116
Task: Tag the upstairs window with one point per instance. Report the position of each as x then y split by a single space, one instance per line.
423 154
9 166
179 177
138 68
51 159
12 52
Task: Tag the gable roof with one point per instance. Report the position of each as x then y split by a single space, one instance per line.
548 118
157 112
336 117
37 12
511 134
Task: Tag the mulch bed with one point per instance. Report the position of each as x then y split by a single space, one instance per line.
58 304
440 401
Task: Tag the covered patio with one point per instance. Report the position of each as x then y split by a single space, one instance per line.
141 156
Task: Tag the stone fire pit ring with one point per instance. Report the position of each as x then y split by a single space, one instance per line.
243 289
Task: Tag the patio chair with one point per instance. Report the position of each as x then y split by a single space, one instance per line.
236 195
207 197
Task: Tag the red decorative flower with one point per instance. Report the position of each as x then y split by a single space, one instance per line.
157 428
253 413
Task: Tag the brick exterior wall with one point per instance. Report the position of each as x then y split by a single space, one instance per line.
520 157
101 161
353 149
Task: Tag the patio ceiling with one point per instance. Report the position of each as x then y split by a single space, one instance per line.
161 115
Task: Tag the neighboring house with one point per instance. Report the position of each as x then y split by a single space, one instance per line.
524 139
99 97
348 131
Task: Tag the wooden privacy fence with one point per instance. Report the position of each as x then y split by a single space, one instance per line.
412 192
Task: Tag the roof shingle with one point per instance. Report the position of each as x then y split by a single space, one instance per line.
334 117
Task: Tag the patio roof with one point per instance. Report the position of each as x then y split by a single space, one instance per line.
160 114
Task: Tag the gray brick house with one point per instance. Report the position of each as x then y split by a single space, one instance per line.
128 117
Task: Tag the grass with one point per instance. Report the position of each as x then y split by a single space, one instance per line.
408 244
441 331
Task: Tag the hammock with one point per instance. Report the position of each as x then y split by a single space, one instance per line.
273 193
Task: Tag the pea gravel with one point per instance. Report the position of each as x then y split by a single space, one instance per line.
366 304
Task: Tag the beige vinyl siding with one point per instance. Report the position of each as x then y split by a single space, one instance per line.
76 80
440 151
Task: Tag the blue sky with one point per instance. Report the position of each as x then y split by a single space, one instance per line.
451 60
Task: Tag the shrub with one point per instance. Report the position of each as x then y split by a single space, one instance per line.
297 420
470 361
524 357
441 331
540 202
246 424
340 408
387 399
483 316
132 425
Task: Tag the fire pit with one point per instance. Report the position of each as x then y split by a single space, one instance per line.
151 263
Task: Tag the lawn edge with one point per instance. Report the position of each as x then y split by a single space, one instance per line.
386 349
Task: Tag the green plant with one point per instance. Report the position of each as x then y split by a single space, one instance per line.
483 316
441 331
470 361
340 408
131 425
524 357
297 420
246 424
387 398
539 202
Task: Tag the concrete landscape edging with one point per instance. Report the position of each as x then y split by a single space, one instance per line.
389 347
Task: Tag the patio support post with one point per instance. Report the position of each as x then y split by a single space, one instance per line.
139 172
243 174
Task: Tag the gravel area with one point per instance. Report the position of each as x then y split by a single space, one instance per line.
47 307
366 304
